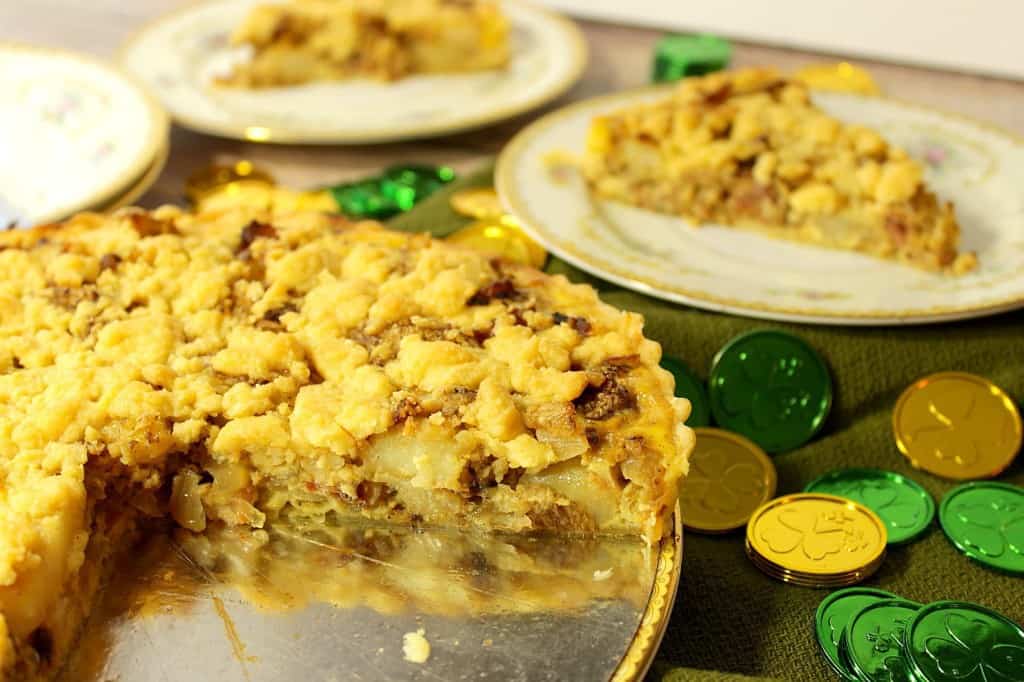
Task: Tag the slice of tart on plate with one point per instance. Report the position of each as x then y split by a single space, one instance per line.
749 149
227 367
323 40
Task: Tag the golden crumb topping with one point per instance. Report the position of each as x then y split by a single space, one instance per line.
750 148
228 350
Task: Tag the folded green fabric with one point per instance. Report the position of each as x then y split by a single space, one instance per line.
730 621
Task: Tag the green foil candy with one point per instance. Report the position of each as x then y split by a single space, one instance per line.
690 387
985 521
904 506
771 387
951 640
395 191
678 56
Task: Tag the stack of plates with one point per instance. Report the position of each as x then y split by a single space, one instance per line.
75 135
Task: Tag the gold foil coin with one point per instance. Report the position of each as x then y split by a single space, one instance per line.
500 237
957 425
215 177
477 202
841 77
730 477
816 539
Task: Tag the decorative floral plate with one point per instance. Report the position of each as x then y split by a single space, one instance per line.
979 168
74 133
179 55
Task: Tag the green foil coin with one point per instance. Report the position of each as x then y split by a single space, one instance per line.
690 387
951 640
874 640
364 200
985 521
772 388
407 185
677 56
834 614
904 506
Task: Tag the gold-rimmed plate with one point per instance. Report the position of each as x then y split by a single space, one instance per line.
75 133
141 184
293 602
979 168
180 53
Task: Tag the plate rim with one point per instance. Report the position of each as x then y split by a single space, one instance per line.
518 206
159 133
644 646
142 184
576 43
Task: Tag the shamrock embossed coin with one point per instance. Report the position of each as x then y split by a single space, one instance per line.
951 640
815 537
874 638
906 508
957 425
772 388
690 387
985 521
729 478
503 238
832 616
476 202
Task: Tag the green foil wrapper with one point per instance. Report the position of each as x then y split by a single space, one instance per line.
678 56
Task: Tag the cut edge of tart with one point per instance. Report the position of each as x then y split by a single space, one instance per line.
290 43
233 366
749 149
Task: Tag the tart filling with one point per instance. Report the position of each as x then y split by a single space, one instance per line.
749 149
235 367
322 40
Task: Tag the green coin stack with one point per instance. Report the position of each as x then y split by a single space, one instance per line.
678 56
870 634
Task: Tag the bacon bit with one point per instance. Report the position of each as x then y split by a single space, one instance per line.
253 231
606 395
897 229
719 95
148 226
481 335
42 641
580 324
593 436
109 261
503 289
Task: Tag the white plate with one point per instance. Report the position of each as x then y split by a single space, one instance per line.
979 168
73 133
179 53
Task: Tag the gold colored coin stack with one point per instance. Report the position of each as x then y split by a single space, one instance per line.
816 540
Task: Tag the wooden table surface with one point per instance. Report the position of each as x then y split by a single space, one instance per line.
619 59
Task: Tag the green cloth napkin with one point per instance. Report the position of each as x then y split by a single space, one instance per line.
731 621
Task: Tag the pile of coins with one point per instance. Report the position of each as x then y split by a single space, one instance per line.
769 392
396 190
869 634
493 231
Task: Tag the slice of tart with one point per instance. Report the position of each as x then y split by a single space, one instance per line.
233 367
749 149
323 40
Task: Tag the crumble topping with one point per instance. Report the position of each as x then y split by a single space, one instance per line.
749 148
